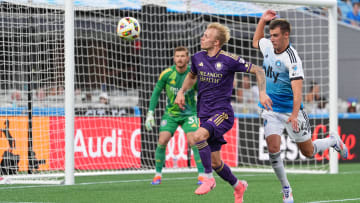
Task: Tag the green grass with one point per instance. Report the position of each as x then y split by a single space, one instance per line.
263 188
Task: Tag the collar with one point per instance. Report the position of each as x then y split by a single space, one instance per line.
288 47
216 55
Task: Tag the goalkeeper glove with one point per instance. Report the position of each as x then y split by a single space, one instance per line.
150 122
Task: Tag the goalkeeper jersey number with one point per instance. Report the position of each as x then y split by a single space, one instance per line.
172 81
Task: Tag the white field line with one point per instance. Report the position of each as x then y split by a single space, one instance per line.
336 200
117 181
167 179
24 202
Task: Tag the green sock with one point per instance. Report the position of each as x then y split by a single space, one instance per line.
159 157
197 159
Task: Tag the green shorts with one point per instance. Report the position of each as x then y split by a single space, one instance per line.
187 123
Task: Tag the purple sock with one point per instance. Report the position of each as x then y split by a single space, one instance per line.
205 155
225 173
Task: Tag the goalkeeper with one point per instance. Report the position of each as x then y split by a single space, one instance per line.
171 79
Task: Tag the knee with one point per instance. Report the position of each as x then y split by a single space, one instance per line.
200 135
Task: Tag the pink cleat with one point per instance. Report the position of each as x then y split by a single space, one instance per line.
206 186
239 191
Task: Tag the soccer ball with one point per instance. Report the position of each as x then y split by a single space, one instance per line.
128 28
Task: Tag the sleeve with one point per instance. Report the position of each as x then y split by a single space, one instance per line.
157 90
193 69
241 65
264 44
296 71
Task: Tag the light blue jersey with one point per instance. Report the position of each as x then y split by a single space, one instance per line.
280 69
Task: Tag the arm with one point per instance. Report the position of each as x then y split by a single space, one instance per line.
150 121
296 86
189 81
259 32
261 82
155 95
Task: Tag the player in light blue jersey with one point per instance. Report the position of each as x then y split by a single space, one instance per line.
284 81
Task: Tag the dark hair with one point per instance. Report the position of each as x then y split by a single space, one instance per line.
282 23
181 48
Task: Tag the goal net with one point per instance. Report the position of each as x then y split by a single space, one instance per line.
114 80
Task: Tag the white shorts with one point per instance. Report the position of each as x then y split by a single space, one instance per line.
274 123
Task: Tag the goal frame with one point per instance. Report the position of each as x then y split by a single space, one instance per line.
69 77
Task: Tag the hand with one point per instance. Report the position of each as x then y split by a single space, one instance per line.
294 122
150 122
180 99
265 101
268 15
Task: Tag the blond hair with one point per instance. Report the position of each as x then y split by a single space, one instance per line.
223 32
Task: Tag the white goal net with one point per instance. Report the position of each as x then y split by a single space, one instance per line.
114 80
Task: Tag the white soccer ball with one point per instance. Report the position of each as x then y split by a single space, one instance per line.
128 28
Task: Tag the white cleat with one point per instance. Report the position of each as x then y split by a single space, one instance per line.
287 195
339 146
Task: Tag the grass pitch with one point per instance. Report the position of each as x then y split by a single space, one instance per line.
263 188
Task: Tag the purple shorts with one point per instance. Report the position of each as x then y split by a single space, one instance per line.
217 125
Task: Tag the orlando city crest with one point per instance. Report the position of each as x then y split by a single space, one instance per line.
218 66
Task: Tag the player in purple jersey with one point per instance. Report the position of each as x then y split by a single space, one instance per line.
214 71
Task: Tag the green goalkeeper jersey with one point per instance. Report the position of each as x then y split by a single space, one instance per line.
172 81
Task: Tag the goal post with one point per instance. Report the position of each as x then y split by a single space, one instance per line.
74 96
69 94
333 82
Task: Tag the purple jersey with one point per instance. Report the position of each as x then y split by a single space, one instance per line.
215 76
